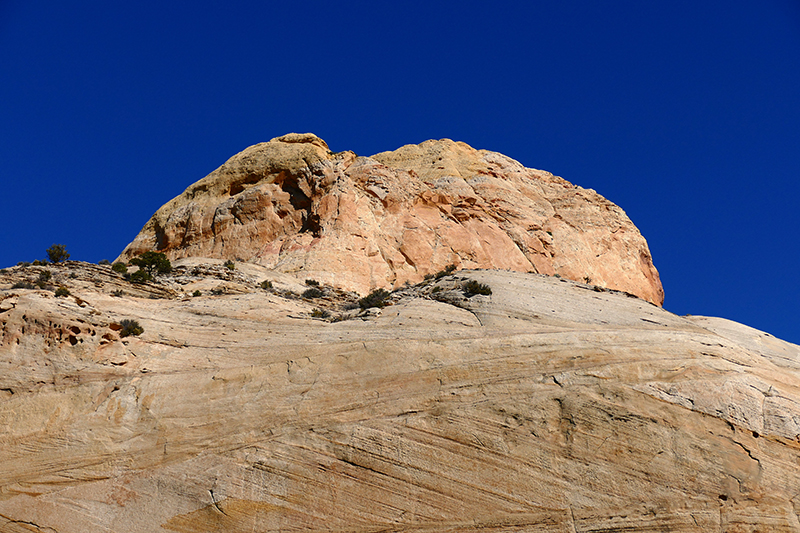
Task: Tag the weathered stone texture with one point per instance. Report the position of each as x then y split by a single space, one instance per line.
367 222
548 406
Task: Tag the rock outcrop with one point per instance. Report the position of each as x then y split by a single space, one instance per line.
362 223
548 405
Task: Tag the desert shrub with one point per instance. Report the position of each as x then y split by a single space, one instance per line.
130 327
218 291
23 264
320 313
376 298
3 271
57 253
44 277
230 265
266 284
447 271
472 287
23 285
119 267
153 262
141 276
312 283
104 262
312 292
195 294
37 262
62 291
118 293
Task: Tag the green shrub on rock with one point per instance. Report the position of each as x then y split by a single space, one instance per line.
57 253
312 292
141 276
472 287
376 298
62 291
153 262
130 327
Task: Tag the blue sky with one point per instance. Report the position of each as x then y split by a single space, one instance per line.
684 113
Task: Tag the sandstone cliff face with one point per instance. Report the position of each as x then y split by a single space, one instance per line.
548 406
362 223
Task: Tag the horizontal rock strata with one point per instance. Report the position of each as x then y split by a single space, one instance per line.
362 223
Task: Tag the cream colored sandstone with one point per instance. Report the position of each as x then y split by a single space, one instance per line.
364 223
548 406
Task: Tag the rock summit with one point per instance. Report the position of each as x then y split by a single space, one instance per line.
362 223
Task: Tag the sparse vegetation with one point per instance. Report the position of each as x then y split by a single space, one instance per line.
38 262
312 283
118 293
57 253
153 262
195 294
104 262
44 278
449 269
229 264
312 292
62 292
23 285
141 276
23 264
119 267
130 327
320 313
376 298
472 287
266 284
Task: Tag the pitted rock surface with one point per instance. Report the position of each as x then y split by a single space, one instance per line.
362 223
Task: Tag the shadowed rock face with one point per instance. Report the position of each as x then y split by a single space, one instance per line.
362 223
549 406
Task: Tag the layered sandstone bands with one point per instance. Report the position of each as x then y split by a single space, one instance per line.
548 406
366 222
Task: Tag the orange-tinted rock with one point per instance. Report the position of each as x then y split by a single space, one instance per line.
367 222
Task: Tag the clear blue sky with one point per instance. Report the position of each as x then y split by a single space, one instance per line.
684 113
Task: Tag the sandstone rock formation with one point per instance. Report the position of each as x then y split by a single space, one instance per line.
362 223
549 405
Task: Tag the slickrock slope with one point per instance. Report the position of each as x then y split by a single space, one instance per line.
362 223
548 406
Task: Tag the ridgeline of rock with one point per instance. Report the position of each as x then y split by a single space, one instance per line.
547 406
362 223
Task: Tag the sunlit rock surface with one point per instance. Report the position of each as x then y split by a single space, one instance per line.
548 405
361 223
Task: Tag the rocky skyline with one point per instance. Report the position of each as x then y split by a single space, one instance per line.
684 114
255 394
